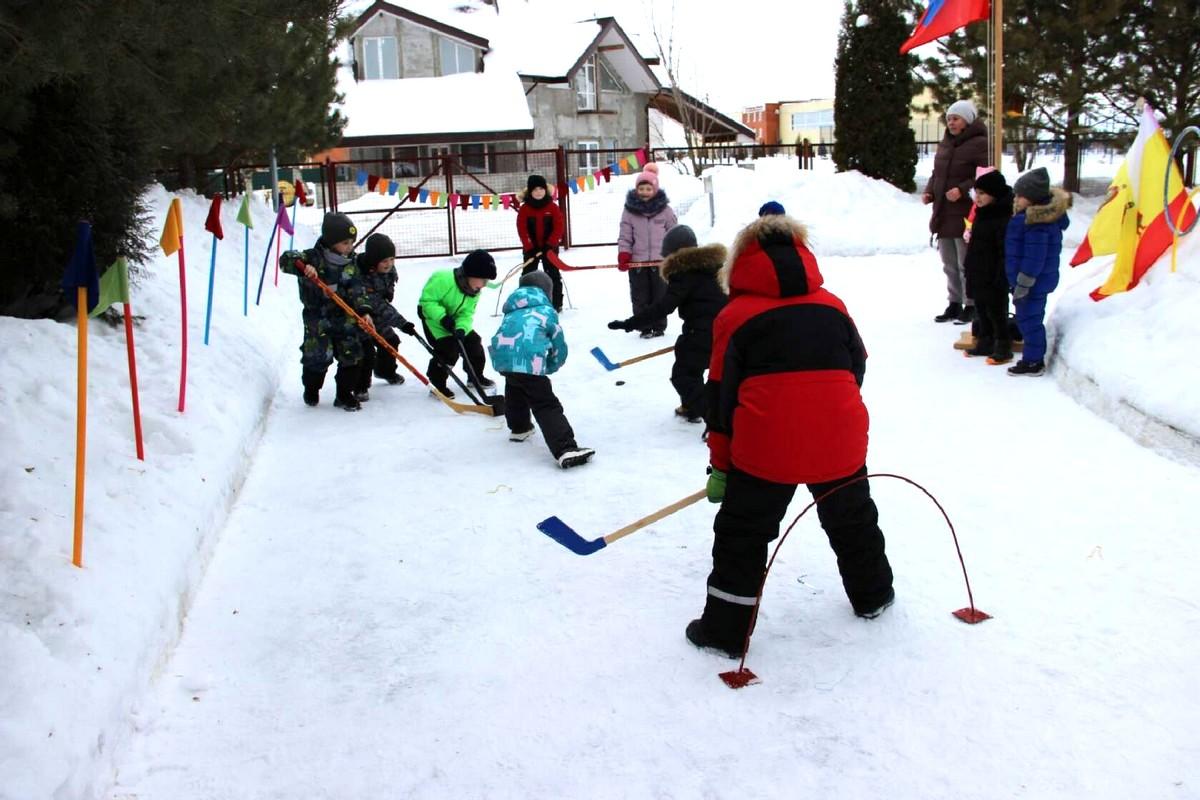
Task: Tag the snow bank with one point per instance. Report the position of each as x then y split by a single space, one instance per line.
78 646
1128 356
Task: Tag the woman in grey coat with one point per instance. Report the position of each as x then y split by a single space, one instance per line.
644 225
961 152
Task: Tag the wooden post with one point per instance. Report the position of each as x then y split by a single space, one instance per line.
81 305
998 88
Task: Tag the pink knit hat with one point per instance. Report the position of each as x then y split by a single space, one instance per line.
649 174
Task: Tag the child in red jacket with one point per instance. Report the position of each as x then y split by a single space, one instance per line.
540 226
783 409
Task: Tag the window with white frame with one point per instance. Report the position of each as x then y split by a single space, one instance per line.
609 82
589 156
455 57
380 59
585 86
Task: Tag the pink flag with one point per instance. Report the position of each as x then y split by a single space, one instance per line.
281 219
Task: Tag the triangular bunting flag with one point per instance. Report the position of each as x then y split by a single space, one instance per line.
607 174
393 188
435 197
453 199
487 202
372 182
361 177
616 168
243 215
574 187
474 201
384 183
114 286
282 220
422 195
172 229
301 194
81 269
213 223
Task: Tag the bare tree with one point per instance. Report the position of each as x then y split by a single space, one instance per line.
697 125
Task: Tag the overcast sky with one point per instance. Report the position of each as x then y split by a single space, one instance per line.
737 54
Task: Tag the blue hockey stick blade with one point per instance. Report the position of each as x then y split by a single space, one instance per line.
562 533
603 359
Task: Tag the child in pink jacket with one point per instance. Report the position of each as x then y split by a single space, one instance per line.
644 223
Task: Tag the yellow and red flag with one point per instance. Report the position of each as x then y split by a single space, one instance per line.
1132 222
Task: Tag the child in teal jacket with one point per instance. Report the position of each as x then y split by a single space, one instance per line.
528 348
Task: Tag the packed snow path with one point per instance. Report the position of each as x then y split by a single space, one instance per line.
382 618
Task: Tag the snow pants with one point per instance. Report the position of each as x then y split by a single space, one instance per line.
1030 314
556 279
749 519
693 349
645 289
447 356
377 360
526 395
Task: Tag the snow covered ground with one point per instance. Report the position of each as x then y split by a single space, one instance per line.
372 612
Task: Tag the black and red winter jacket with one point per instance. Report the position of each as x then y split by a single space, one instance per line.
787 363
539 224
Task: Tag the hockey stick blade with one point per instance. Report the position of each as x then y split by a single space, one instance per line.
603 359
565 535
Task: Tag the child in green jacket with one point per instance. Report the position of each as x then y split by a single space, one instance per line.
447 312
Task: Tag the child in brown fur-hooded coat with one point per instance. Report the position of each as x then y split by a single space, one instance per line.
690 273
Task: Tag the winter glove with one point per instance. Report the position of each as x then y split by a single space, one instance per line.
407 327
448 324
623 260
619 325
1024 284
715 488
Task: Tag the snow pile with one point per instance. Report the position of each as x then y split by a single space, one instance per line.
77 647
1127 357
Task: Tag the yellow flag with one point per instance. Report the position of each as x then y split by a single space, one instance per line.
172 229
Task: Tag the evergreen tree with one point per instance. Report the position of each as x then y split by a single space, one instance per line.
97 96
1160 61
1057 64
873 93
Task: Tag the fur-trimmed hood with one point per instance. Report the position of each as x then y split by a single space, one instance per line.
707 258
770 257
647 208
1060 201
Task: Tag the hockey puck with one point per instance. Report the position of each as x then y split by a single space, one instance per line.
620 383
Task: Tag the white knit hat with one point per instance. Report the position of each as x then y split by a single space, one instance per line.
964 109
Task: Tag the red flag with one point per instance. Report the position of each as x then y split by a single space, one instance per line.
372 182
301 195
944 17
213 223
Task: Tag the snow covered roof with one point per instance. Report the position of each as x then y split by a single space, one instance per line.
561 47
484 107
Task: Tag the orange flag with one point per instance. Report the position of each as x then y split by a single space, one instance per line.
172 229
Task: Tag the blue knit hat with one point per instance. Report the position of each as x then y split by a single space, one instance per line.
771 207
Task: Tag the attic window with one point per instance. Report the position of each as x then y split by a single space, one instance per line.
585 86
609 82
379 58
455 57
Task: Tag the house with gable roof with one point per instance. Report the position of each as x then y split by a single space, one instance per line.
428 79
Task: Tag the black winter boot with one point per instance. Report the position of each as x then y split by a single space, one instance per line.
983 347
966 316
346 379
1003 353
1027 369
313 381
951 313
722 627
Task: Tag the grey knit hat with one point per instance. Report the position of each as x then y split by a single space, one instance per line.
677 238
1033 185
539 279
964 109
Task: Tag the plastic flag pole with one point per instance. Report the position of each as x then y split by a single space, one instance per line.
212 274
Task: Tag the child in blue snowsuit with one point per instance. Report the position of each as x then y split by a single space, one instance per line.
1032 250
527 349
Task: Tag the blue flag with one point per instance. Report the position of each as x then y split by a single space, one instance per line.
81 269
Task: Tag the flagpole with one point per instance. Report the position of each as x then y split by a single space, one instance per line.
998 87
183 322
81 306
133 389
212 273
246 276
266 257
292 237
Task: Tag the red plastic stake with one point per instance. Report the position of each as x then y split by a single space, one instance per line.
971 615
737 678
